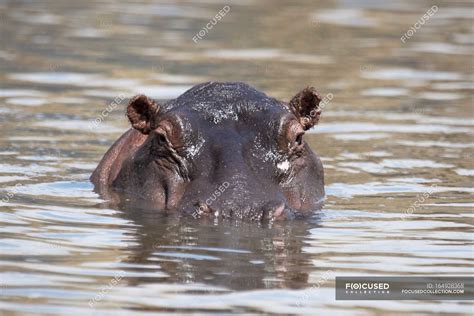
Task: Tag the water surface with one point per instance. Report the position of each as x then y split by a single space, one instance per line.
400 124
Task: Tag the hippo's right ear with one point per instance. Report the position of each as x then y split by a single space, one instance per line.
142 112
305 106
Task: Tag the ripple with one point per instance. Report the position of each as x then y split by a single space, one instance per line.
161 92
4 179
88 32
70 100
453 86
428 143
413 163
344 17
26 101
360 136
81 125
59 189
396 116
441 48
31 170
16 247
410 133
374 188
178 79
389 128
54 77
410 74
224 250
75 79
263 53
439 96
385 92
191 256
22 93
37 18
465 172
367 167
162 10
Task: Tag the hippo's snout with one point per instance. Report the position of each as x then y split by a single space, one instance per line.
272 211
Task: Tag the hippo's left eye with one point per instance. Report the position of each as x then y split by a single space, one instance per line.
168 133
162 138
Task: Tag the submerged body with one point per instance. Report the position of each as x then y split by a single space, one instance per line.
220 149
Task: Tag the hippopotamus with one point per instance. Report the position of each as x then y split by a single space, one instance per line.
221 149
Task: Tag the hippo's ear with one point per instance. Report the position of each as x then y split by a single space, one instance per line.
305 106
142 112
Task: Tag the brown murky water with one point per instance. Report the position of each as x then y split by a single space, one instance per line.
398 126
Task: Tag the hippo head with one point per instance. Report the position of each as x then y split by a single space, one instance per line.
226 150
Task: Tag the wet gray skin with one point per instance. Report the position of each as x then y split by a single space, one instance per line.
220 149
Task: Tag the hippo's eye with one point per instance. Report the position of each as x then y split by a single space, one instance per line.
168 133
162 138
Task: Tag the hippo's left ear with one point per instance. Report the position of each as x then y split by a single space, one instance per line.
142 112
305 106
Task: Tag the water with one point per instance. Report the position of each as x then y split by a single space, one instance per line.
399 127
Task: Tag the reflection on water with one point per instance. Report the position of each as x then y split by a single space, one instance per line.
399 125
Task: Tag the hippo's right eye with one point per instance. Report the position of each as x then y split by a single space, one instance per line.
168 133
162 138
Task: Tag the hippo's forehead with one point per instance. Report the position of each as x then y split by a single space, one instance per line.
218 103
